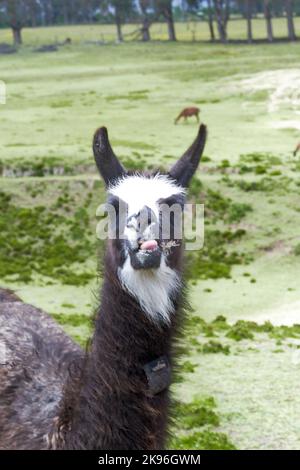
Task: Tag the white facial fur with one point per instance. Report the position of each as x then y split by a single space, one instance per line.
139 191
152 288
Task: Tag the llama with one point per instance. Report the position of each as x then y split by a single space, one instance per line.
53 395
296 150
187 112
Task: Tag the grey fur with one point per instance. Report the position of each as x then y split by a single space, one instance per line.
36 365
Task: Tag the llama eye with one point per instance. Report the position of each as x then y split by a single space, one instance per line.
120 206
172 200
114 201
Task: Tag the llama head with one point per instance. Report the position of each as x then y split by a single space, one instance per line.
148 208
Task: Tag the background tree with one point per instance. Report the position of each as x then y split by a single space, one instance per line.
15 14
248 12
164 8
33 13
210 17
290 19
48 12
145 5
19 13
86 10
122 11
268 17
277 7
222 17
198 7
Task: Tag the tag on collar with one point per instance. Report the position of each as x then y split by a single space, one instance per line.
158 374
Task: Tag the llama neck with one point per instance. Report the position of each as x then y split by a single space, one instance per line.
116 409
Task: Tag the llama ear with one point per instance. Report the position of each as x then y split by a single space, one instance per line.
186 166
108 164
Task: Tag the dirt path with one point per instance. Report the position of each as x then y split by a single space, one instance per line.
286 314
282 85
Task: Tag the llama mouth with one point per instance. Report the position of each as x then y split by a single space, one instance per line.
148 245
146 256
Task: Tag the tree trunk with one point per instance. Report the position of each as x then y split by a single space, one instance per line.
168 14
211 22
290 19
146 22
222 14
16 14
211 29
268 16
222 33
171 30
119 29
146 30
17 35
249 21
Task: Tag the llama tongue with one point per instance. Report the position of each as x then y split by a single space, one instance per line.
149 245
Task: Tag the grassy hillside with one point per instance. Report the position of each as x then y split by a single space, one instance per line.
239 380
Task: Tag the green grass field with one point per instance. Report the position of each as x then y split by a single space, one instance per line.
240 373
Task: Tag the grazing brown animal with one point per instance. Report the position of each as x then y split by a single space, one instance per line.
116 395
296 149
188 112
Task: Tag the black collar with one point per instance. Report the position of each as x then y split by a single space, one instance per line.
158 373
